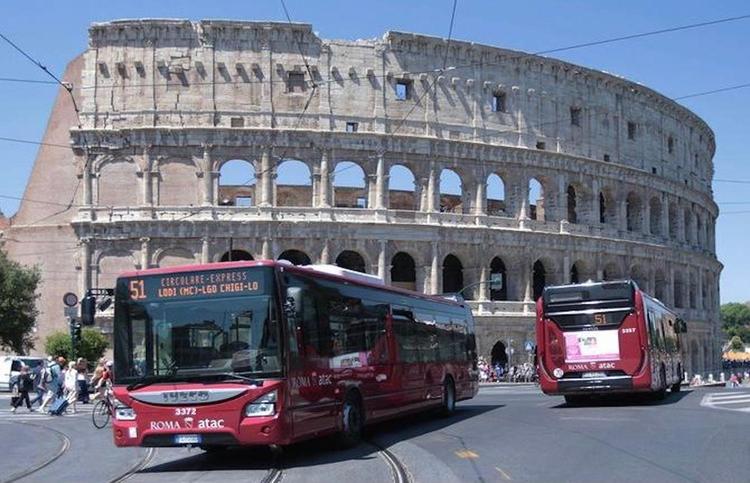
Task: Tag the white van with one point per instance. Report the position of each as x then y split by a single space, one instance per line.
10 366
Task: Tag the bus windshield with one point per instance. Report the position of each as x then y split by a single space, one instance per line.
164 331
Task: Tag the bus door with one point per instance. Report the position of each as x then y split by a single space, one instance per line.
408 369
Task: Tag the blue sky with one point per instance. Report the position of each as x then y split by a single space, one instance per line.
674 64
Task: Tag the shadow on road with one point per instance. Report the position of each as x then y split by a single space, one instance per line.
619 400
321 451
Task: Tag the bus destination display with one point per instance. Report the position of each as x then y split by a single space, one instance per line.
196 284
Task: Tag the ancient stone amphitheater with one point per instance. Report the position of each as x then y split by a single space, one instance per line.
479 168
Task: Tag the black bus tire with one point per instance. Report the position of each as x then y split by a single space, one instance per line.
448 406
661 393
676 386
352 421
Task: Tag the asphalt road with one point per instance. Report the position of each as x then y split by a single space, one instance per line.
507 433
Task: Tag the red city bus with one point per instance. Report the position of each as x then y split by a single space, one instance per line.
262 353
605 337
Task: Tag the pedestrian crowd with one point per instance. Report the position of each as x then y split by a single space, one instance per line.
59 385
738 379
497 372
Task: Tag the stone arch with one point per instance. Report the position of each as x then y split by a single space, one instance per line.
451 191
453 274
582 270
235 255
660 285
172 257
116 177
498 277
293 183
611 271
633 212
572 202
403 271
402 193
654 206
349 185
607 211
110 264
178 182
640 277
538 278
351 260
296 257
237 183
536 199
499 354
496 203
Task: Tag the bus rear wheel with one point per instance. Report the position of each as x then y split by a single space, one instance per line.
352 421
449 398
676 385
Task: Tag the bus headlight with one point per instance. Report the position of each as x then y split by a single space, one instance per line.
123 412
263 406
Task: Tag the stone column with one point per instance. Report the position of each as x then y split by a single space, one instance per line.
670 288
266 177
646 221
324 199
87 179
85 265
433 190
422 279
325 256
528 279
424 193
523 202
483 283
147 186
381 260
208 179
205 249
680 224
665 217
480 206
380 187
700 305
566 269
622 215
562 198
435 270
266 249
596 213
145 253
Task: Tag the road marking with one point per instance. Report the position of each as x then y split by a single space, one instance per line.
503 474
467 454
594 418
718 400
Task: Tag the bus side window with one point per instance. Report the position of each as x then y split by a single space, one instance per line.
403 329
375 334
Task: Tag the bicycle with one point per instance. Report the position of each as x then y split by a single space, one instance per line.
104 409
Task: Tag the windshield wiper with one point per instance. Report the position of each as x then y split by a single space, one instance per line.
226 376
149 380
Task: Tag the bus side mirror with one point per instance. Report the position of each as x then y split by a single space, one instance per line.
680 326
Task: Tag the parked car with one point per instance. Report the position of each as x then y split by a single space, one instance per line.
10 367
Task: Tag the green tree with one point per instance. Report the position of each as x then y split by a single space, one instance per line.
735 320
18 312
736 344
92 347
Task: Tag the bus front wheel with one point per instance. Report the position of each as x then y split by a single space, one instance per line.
352 421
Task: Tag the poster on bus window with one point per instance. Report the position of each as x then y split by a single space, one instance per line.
596 345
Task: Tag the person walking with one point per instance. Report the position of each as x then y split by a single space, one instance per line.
25 385
82 379
71 385
53 384
39 373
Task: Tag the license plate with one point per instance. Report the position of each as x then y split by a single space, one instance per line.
592 375
187 438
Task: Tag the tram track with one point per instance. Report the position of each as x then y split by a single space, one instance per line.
137 467
398 470
276 472
33 469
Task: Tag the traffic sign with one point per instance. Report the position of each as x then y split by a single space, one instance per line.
70 299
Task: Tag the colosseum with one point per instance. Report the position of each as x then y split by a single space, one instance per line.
477 168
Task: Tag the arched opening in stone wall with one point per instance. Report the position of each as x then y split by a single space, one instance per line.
115 182
693 291
403 271
401 189
580 272
495 195
453 275
611 272
351 260
572 213
575 277
539 278
679 290
236 256
633 212
296 257
178 183
451 192
660 285
607 211
672 221
293 184
174 257
498 280
349 186
638 275
536 200
499 355
237 184
654 216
